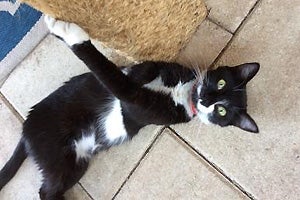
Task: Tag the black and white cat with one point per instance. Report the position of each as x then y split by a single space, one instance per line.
97 110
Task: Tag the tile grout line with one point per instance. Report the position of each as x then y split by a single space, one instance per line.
214 166
219 25
140 160
234 34
11 108
83 188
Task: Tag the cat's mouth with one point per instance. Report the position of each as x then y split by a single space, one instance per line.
194 98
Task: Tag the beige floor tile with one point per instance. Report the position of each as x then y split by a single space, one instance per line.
172 171
77 193
204 46
44 70
24 185
10 129
267 164
110 168
229 13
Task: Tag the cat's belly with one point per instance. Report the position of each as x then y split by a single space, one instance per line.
113 132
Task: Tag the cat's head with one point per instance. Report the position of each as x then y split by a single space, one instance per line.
221 98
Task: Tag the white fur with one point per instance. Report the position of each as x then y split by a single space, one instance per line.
85 146
114 126
204 118
157 85
69 32
204 112
199 88
180 93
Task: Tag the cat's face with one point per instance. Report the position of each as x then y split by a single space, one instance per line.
221 99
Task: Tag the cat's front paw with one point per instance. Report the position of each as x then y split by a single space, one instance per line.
71 33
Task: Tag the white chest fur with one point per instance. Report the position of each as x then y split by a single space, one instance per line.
86 145
115 131
180 93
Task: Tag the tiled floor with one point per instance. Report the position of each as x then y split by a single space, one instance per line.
187 161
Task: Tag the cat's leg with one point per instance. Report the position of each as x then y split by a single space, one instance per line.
144 73
57 182
52 188
105 71
121 85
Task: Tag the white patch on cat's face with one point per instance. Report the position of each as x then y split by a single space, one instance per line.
204 112
180 93
85 146
71 33
115 131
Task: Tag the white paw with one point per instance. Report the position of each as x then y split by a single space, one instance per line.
71 33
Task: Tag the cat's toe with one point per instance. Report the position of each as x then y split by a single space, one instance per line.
71 33
56 27
49 21
75 35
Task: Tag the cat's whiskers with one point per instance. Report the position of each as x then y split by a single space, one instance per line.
195 74
238 90
197 70
198 75
207 80
237 108
204 75
192 64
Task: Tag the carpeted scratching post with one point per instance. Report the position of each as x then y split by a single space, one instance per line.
140 29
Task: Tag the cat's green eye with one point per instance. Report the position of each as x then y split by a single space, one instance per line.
221 84
222 111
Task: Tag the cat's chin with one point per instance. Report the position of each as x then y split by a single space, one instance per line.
203 118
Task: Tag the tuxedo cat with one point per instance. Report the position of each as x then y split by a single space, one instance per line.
107 106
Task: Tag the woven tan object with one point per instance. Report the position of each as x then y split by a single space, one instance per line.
141 29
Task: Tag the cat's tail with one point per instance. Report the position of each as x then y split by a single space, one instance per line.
14 163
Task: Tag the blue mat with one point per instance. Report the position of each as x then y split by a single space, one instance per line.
17 20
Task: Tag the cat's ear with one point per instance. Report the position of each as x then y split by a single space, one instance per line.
245 122
247 71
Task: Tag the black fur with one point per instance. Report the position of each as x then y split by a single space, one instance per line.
62 117
234 93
